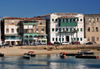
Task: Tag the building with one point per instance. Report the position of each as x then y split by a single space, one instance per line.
63 27
10 30
33 30
92 30
26 30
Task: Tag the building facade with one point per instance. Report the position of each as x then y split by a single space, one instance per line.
33 30
92 30
65 27
11 30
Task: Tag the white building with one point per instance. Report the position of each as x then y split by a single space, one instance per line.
63 27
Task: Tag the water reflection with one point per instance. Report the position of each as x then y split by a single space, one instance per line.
52 61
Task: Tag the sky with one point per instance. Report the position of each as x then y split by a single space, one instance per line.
32 8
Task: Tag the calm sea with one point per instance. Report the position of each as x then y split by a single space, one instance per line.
48 62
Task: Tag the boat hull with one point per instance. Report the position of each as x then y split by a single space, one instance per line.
1 55
73 54
90 57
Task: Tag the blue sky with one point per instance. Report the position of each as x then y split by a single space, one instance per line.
31 8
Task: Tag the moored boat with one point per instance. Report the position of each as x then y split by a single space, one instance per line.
26 56
1 55
86 52
31 53
90 57
72 54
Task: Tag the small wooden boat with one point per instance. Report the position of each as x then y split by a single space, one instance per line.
90 57
72 54
62 55
26 56
31 53
1 55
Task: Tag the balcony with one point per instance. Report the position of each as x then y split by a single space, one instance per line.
30 23
73 31
68 24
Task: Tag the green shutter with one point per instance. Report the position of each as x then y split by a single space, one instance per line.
77 39
52 39
77 19
77 29
59 39
52 19
81 29
70 29
80 39
59 29
62 39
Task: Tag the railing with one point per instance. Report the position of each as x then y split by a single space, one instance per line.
68 24
73 31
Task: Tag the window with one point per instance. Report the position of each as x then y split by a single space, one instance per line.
81 29
12 30
77 39
74 38
52 29
92 29
56 20
89 20
42 30
66 29
93 20
97 19
60 29
77 29
37 29
88 39
56 29
97 38
88 29
7 30
70 29
80 39
96 29
40 23
52 39
52 19
80 19
73 20
12 21
62 39
59 39
63 29
56 39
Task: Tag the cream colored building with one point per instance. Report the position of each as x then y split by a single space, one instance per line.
92 28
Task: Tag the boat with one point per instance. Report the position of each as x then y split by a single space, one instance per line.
31 53
90 57
26 56
72 54
1 55
86 52
62 55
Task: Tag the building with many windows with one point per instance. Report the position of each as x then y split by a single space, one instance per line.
23 30
10 30
63 27
92 30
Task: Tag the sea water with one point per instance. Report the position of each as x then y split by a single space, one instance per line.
52 61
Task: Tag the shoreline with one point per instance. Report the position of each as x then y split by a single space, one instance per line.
16 51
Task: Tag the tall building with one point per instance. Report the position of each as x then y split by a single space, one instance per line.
63 27
92 30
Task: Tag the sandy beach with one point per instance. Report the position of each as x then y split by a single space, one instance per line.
16 51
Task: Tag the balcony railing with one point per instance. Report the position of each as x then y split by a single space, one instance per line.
30 23
72 31
68 24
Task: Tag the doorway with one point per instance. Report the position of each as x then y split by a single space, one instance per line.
67 38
